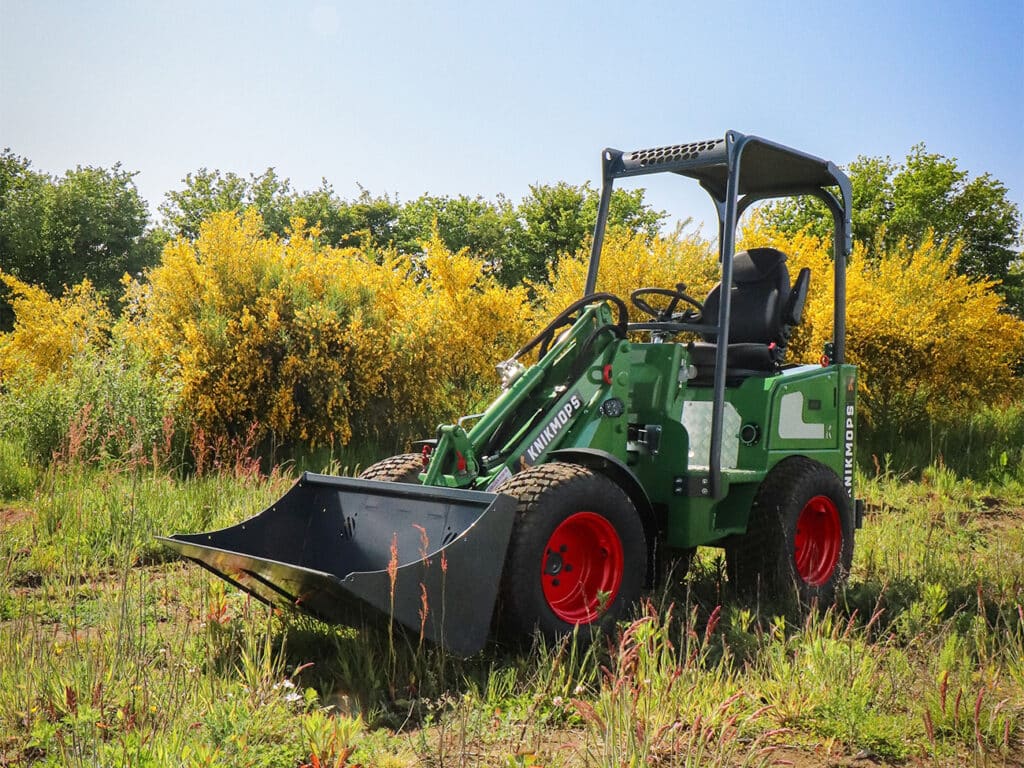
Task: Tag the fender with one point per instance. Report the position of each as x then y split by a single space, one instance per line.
610 465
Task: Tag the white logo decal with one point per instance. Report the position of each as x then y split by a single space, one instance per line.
791 420
550 432
848 451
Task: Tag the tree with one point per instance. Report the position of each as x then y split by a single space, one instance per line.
557 219
208 192
368 220
518 241
90 223
96 229
23 202
927 192
371 219
482 226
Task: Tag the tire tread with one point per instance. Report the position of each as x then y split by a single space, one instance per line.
403 468
529 488
759 559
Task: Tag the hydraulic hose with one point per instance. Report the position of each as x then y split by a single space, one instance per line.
564 316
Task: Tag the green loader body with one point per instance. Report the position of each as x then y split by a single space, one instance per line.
656 430
613 445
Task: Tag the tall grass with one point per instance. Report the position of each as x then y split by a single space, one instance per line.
986 446
107 405
18 476
113 654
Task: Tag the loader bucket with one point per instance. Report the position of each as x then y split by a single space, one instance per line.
346 550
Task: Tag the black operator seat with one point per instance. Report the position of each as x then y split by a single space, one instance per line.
763 314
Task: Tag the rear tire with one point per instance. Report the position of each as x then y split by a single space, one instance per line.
799 540
404 468
577 555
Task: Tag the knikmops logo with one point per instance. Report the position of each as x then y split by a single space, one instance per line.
564 415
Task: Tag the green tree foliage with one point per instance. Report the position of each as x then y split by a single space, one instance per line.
97 227
484 227
207 192
556 220
24 194
55 232
520 242
369 220
927 192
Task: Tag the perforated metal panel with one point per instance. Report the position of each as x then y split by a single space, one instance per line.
675 153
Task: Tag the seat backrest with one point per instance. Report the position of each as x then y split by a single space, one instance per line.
793 312
760 293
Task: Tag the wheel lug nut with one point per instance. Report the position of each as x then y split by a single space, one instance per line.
554 582
562 548
567 567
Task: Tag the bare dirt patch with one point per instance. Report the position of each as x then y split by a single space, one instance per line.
11 516
996 518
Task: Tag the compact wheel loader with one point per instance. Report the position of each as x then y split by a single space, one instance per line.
616 442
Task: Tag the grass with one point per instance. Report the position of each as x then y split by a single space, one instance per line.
17 477
987 444
114 654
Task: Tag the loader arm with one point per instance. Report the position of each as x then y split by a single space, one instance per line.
535 413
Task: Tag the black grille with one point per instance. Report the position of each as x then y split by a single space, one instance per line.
673 154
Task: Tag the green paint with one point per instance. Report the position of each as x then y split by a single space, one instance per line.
556 404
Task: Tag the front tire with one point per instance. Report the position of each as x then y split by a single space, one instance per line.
578 553
404 468
800 536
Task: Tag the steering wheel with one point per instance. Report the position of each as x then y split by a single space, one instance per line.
568 316
668 314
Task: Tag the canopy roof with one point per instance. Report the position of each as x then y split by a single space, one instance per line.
766 168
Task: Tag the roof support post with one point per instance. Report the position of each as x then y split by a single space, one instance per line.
727 249
607 158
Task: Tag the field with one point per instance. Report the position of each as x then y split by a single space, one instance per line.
113 653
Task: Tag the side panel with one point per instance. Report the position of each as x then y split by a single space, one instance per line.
806 410
814 415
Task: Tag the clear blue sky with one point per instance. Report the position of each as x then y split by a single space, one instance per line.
484 98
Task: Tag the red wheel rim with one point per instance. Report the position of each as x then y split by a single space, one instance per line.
818 541
581 570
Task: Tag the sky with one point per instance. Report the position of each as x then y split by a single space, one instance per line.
486 98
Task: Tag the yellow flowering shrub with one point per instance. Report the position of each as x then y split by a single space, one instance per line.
70 388
460 325
49 332
316 344
928 342
447 325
